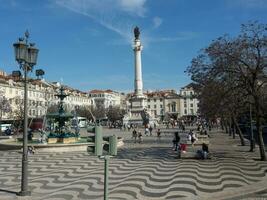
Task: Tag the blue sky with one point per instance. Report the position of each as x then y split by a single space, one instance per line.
88 43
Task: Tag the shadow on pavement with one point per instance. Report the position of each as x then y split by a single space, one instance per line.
8 191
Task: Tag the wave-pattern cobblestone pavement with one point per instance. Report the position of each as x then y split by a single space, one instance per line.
140 171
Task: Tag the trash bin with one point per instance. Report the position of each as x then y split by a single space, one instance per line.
113 145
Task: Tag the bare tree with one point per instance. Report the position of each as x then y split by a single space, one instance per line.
4 107
241 61
114 113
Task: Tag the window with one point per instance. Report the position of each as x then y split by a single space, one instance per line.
191 105
155 100
185 111
161 106
148 100
161 99
173 107
155 106
148 106
192 111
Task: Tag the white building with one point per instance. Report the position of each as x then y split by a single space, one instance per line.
105 98
41 95
162 103
188 101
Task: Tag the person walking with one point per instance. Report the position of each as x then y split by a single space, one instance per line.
146 131
158 134
176 140
150 130
140 137
134 135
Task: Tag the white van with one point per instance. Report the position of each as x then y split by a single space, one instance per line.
80 121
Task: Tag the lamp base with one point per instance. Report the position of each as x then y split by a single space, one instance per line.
24 193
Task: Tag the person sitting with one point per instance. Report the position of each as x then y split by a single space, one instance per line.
31 150
203 153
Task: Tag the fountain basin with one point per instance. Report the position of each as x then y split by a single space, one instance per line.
79 145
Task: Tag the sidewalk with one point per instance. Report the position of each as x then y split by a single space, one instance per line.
149 171
225 147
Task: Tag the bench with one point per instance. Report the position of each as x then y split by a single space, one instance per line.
190 154
187 154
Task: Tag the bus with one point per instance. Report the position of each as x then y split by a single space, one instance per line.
81 122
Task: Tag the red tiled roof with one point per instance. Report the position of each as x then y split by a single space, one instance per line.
100 91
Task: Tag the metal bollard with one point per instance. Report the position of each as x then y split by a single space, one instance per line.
98 141
113 145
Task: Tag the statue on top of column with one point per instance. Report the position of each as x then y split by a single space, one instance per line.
136 33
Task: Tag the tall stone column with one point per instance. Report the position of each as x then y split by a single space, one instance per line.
138 82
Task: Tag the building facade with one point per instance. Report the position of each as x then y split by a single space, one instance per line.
189 101
41 95
105 98
165 103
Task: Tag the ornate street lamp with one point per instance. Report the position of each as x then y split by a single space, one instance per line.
39 73
26 55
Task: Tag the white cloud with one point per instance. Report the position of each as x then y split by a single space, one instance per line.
157 21
112 14
120 16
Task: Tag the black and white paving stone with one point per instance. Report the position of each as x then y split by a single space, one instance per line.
149 170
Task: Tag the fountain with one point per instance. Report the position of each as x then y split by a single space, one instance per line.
60 137
61 132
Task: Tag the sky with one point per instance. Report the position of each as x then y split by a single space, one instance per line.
87 44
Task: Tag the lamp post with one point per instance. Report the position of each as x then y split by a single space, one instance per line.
26 56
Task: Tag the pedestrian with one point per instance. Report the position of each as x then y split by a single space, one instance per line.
140 137
158 134
134 135
150 130
146 131
176 140
193 139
